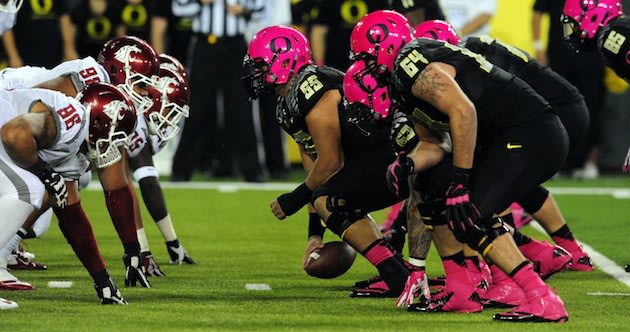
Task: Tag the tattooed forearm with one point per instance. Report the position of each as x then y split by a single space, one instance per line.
428 85
418 235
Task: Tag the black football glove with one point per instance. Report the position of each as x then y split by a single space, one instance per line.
461 213
54 183
292 202
397 174
402 134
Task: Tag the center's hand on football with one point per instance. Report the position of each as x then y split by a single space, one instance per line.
313 243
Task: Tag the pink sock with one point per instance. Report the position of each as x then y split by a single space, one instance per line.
528 280
378 253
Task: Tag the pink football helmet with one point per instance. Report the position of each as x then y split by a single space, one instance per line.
378 36
173 94
582 19
10 6
112 121
274 55
360 86
131 63
437 30
170 61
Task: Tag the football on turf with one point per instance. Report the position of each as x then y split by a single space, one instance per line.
331 261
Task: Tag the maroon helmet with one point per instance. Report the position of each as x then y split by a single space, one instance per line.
130 62
171 62
112 120
173 99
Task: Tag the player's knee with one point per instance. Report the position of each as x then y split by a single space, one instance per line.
145 172
342 215
481 240
534 200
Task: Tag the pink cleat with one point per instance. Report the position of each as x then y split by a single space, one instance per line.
543 306
455 297
551 260
581 261
503 293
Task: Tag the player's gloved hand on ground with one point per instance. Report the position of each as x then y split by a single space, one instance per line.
461 213
402 134
54 183
417 286
149 266
133 272
397 174
290 203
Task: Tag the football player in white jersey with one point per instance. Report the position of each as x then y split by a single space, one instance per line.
154 129
130 63
54 138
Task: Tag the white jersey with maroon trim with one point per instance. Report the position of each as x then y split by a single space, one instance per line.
82 72
71 120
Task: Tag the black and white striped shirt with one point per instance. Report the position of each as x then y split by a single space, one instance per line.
214 18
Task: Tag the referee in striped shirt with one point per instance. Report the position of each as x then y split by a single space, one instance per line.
221 140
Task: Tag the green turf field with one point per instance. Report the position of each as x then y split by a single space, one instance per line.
236 241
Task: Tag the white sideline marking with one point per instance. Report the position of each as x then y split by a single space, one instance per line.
263 287
601 262
607 294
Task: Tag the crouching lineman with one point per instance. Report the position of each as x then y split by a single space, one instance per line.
54 137
344 152
132 65
601 25
521 144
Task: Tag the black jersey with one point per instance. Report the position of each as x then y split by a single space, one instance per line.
92 30
613 43
547 83
358 132
501 99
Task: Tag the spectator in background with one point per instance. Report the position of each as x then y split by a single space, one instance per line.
36 38
217 47
90 24
469 18
169 33
585 70
301 15
276 12
333 21
136 17
418 11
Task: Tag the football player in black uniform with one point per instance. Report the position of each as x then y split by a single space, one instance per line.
418 11
505 141
601 25
569 104
343 149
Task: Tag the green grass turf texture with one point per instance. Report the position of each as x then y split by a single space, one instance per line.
236 240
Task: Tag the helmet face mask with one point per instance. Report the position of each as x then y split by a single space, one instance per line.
173 94
10 6
582 19
258 81
112 120
273 57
